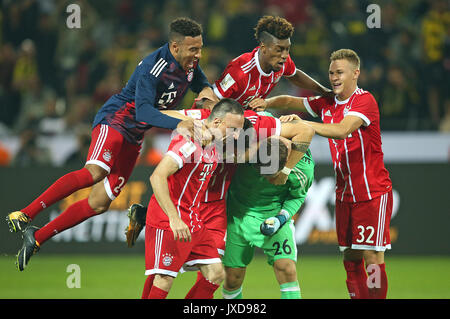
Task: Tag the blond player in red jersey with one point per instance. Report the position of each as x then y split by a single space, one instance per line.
351 122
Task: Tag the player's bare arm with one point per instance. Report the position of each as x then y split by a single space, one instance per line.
300 134
287 102
303 80
282 102
339 130
167 167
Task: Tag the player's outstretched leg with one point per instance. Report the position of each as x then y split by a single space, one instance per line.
29 248
137 215
63 187
17 221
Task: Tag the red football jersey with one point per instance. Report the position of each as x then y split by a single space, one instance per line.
243 79
188 185
221 178
358 159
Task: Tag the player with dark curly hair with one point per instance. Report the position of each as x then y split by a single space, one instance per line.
254 74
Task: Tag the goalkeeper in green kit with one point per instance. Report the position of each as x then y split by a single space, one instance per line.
259 215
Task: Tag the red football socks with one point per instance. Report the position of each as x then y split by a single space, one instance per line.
377 282
356 279
157 293
60 189
202 289
147 286
195 287
73 215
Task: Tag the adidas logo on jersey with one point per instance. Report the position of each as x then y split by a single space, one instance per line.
252 88
328 113
171 86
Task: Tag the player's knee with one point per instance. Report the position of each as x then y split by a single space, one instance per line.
234 277
286 267
100 209
99 204
216 275
97 172
353 254
163 282
373 257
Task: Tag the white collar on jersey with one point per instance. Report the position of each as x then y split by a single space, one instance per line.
345 101
259 66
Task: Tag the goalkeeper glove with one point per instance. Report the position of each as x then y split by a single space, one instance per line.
272 224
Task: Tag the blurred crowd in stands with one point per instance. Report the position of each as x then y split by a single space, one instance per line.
53 79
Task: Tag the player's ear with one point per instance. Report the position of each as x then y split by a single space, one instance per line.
174 46
356 74
217 122
262 47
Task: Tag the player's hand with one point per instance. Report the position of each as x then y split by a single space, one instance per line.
257 104
194 129
289 118
180 229
278 179
270 226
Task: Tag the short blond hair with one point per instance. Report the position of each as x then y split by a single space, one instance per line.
346 54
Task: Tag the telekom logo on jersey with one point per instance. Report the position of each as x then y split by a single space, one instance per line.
206 171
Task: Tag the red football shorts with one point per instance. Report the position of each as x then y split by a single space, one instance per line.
214 217
364 225
112 152
164 255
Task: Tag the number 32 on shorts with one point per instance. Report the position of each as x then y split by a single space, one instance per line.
365 234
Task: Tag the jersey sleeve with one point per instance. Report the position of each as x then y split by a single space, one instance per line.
365 107
199 81
266 126
181 150
289 67
145 95
315 104
299 186
196 114
227 86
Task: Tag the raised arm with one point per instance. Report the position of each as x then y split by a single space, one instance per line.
303 80
300 134
167 167
283 102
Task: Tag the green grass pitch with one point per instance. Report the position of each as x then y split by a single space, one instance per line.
122 277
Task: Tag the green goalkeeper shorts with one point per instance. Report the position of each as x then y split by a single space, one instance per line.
243 235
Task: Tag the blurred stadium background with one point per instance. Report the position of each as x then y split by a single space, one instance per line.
53 79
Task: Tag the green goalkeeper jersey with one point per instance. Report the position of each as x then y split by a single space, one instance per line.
252 194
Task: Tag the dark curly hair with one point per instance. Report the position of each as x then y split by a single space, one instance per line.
184 27
278 27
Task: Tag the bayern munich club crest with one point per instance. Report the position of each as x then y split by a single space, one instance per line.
167 259
107 155
190 75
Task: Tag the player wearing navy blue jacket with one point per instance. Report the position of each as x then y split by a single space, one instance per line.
159 82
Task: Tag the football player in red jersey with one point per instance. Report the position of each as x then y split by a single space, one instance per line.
175 234
351 122
254 74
